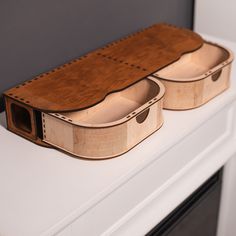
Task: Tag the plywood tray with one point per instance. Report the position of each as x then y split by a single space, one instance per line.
196 77
110 128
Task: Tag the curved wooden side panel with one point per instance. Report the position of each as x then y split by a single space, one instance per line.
188 95
101 143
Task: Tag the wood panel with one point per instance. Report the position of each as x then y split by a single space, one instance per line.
86 81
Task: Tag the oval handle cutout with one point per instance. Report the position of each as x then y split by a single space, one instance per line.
216 76
143 116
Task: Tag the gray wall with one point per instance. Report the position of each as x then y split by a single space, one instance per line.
37 35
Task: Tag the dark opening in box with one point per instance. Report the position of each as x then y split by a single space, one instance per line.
21 118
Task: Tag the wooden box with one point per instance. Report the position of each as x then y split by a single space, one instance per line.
110 128
107 101
196 77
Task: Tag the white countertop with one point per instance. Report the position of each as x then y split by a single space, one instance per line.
43 190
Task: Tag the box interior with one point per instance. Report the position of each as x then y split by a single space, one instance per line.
117 105
21 118
196 63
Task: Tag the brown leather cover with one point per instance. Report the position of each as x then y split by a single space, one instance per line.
87 80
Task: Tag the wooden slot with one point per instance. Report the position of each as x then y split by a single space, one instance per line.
21 120
196 77
110 128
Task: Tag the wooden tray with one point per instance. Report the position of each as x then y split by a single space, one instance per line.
110 128
196 77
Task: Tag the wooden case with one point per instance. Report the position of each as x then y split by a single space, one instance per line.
105 102
72 91
196 77
110 128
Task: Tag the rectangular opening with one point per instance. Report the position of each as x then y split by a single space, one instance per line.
21 118
39 128
197 215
